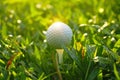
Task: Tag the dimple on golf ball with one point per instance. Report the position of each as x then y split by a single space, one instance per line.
58 35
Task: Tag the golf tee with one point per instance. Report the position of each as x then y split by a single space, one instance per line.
60 55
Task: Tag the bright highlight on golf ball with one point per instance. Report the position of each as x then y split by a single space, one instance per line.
59 34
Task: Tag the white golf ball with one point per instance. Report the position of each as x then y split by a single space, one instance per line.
59 34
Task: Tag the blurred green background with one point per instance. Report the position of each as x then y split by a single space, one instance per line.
94 51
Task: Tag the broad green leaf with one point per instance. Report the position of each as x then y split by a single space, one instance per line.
36 52
116 72
93 74
4 31
116 46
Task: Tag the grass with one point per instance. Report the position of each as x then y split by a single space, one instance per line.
92 55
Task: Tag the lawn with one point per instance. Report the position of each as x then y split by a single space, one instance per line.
94 52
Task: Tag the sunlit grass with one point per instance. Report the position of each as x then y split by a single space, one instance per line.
92 55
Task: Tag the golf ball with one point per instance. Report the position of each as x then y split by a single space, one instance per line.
58 35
